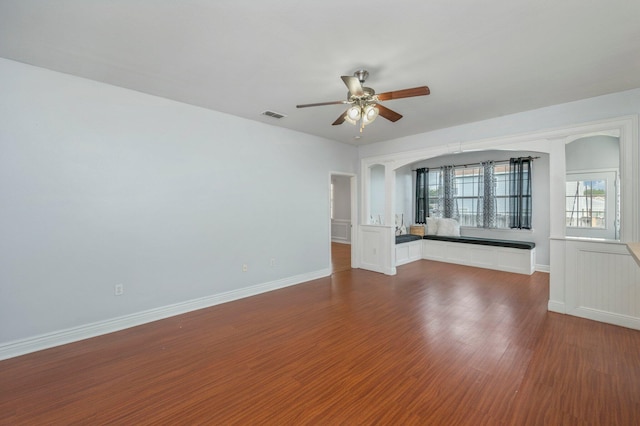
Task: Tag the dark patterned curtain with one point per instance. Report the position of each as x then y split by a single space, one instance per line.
422 195
447 201
520 193
486 211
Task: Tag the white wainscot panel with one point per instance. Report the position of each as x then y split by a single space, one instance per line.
603 283
376 252
501 258
408 252
516 260
479 256
340 230
433 251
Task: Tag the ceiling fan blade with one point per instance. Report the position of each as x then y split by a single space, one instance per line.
321 104
388 114
353 84
340 119
406 93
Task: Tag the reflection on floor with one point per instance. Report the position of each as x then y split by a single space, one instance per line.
340 257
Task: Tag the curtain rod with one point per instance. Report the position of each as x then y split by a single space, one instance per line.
475 164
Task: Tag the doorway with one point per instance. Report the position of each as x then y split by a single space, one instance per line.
340 257
342 214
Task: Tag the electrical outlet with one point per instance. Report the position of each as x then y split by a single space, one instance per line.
118 289
245 267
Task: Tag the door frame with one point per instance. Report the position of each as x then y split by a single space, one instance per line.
353 199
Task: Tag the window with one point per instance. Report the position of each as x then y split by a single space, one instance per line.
422 176
586 203
429 192
435 193
466 194
488 195
592 204
502 177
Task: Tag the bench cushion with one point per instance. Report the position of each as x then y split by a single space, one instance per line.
406 238
525 245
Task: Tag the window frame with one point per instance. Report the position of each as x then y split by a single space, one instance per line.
611 230
501 175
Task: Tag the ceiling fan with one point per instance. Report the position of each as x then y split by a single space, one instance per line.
365 104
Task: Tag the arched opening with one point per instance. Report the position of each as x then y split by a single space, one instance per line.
592 207
580 268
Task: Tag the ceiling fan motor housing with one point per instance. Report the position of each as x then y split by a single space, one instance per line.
361 75
368 94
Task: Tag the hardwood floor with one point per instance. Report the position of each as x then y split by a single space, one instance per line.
340 257
438 344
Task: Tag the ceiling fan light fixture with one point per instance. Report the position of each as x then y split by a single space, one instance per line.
370 114
354 113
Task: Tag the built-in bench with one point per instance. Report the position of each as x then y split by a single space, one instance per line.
405 238
524 245
408 248
503 255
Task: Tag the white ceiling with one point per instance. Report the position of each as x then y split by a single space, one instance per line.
481 59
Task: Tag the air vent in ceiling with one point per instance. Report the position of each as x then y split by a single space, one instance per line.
273 114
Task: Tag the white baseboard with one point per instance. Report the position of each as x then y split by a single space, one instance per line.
74 334
335 240
555 306
543 268
607 317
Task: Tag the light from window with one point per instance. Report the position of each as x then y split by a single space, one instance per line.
501 176
436 193
467 196
586 202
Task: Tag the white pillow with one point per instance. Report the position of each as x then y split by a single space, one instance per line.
448 228
431 227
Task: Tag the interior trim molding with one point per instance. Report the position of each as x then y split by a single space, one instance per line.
542 268
607 317
556 306
86 331
341 230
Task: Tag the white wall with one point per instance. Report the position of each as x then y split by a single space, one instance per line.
377 195
593 153
404 195
101 186
595 157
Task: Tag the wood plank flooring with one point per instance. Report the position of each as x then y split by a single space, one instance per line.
437 344
340 257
